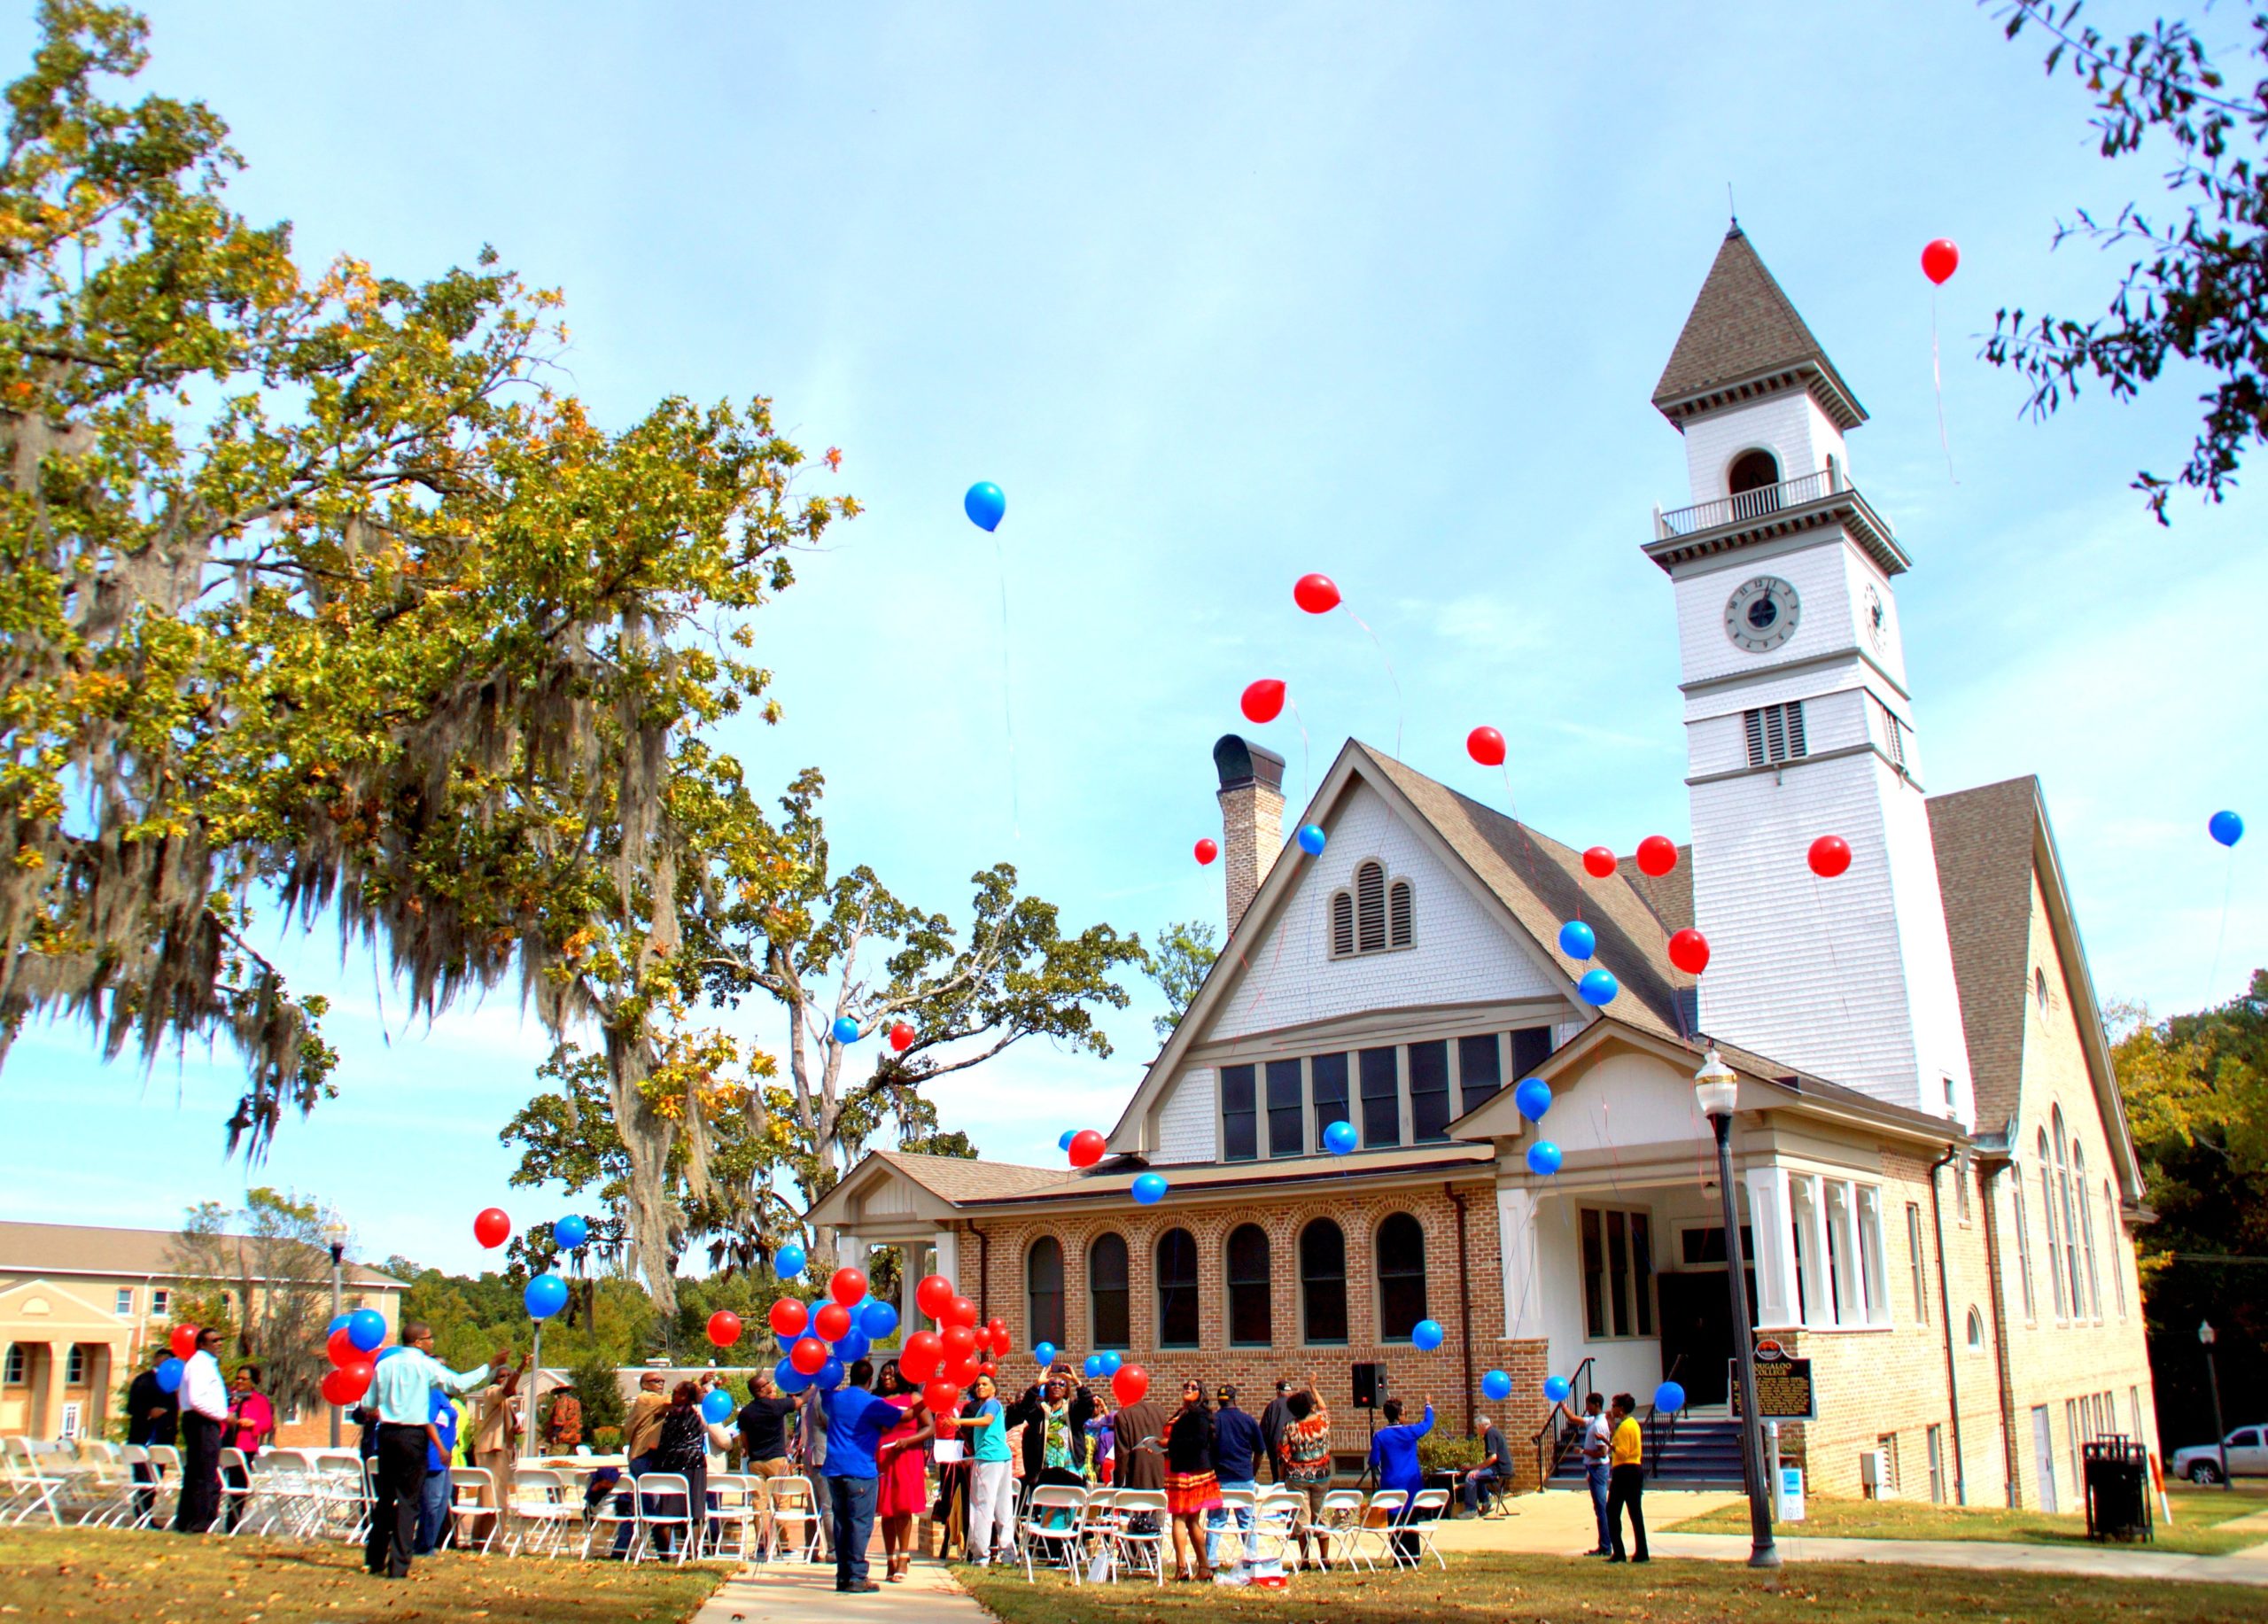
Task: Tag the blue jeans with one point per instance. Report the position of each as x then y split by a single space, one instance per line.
1596 1473
634 1470
1485 1479
1216 1520
854 1527
432 1511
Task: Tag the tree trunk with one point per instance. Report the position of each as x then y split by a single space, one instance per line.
656 1222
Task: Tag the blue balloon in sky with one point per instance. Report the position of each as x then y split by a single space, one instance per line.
846 1030
1150 1189
2226 827
1338 1138
1425 1335
1669 1398
1543 1157
788 1262
1534 1097
1555 1389
1046 1354
789 1378
1496 1385
1311 839
877 1319
984 504
1578 940
1064 1142
1598 986
718 1406
366 1328
169 1373
571 1232
1110 1362
544 1296
1093 1367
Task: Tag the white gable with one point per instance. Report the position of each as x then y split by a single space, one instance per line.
1459 954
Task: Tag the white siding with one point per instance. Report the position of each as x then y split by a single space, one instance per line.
1826 616
1186 1118
1787 424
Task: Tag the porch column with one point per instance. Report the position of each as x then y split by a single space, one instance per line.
948 1246
1523 1282
1773 1247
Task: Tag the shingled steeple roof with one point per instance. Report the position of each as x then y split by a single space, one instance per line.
1744 339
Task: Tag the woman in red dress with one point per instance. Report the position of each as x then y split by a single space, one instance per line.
1193 1484
904 1457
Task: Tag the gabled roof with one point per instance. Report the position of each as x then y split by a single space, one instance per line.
1744 339
959 1179
81 1249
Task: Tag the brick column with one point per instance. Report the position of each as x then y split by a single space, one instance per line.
1252 818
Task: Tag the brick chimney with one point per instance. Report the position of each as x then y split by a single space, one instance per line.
1252 817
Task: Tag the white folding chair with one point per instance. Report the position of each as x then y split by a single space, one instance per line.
1140 1549
615 1510
543 1511
657 1491
472 1496
1373 1529
794 1527
236 1497
1050 1527
1232 1521
1342 1515
1426 1513
1274 1545
29 1488
734 1501
165 1466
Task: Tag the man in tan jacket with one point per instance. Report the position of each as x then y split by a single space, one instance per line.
491 1433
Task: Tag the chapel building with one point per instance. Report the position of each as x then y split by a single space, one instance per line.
1937 1187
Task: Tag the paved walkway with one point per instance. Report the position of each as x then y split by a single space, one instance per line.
795 1593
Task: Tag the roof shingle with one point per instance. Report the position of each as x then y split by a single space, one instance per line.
1743 328
1984 839
80 1249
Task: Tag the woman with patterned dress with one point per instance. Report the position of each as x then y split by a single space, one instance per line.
1307 1464
904 1493
1193 1484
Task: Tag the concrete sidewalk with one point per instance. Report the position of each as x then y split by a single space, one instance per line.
797 1593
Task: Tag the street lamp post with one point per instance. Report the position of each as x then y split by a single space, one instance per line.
1718 1091
335 1233
2207 1336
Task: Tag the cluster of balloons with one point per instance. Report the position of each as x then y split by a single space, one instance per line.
349 1342
2226 827
822 1338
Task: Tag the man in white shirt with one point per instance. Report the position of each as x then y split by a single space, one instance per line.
401 1392
1598 1436
204 1411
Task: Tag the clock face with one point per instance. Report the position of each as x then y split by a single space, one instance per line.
1761 614
1875 613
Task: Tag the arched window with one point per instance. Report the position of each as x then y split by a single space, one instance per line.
1177 1289
2067 1210
1322 1284
1043 1286
1342 924
1398 912
1401 1277
2055 1234
1975 1330
1107 1292
2039 989
1371 916
2086 1227
2114 1246
1251 1321
1753 471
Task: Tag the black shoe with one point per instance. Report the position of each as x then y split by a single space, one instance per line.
1617 1557
868 1588
1598 1550
1641 1557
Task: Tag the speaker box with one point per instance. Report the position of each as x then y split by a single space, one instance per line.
1370 1385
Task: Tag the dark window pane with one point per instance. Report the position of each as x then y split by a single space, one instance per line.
1177 1289
1043 1276
1322 1282
1479 1072
1429 1091
1531 1048
1594 1278
1618 1272
1239 1120
1327 1076
1401 1277
1381 1099
1287 1126
1251 1322
1106 1286
1642 1272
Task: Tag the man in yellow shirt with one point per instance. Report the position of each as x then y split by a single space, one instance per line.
1626 1480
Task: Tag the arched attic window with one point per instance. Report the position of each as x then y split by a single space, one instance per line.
1753 482
1371 916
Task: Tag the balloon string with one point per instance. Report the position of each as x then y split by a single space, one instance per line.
1390 676
1301 723
1938 382
2228 889
1007 698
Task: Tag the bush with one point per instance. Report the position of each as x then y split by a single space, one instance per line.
605 1439
594 1381
1436 1453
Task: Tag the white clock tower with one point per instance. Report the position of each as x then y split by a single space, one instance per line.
1798 721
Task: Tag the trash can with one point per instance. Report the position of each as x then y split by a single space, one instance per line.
2117 1473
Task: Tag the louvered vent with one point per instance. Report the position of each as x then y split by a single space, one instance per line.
1397 915
1343 925
1369 908
1776 733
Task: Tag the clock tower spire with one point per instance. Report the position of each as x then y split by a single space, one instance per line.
1799 720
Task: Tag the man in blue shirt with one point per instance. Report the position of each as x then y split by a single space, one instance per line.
1237 1446
1394 1456
441 1446
402 1394
856 1421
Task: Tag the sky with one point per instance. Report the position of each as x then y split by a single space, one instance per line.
1219 295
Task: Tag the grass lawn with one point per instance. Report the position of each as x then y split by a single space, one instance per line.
2193 1530
129 1578
1493 1589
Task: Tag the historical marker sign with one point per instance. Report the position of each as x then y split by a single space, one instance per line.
1783 1389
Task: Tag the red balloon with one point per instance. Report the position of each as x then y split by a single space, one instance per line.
790 1316
1207 851
341 1348
832 1322
848 1285
724 1327
182 1341
1656 855
348 1382
961 1311
1485 745
1689 951
957 1341
988 1368
1086 1147
963 1371
1263 701
809 1355
1318 595
901 1037
1598 862
1939 261
1002 1342
921 1356
1830 855
492 1228
942 1396
934 1295
1131 1384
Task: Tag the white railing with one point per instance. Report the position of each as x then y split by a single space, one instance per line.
1750 504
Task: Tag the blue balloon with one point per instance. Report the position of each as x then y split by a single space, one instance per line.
877 1319
366 1328
830 1376
331 1330
789 1378
1111 1361
1497 1386
1425 1335
1046 1354
1094 1367
1578 940
845 1030
169 1374
2226 827
1150 1189
390 1353
1598 986
1311 839
1669 1398
1534 1097
544 1296
718 1406
1557 1388
789 1261
985 505
1543 1157
1064 1143
1338 1138
853 1345
571 1232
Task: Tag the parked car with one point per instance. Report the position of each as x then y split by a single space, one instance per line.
2200 1463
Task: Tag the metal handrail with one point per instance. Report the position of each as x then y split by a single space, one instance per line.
1751 504
1656 1439
1549 1444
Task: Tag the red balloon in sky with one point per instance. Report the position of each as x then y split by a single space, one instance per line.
1830 855
1207 851
1263 701
341 1350
848 1285
1485 745
961 1311
943 1397
1656 855
492 1228
1318 595
809 1355
724 1327
922 1355
1689 951
182 1341
789 1316
901 1037
1939 261
1598 862
1130 1383
832 1322
934 1295
1086 1147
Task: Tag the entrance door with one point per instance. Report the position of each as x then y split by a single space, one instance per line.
2043 1456
1697 1328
